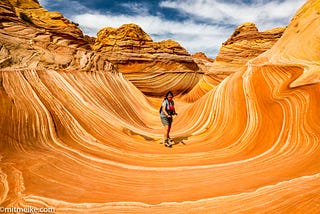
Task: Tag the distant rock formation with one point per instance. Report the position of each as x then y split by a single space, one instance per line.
200 55
48 40
204 62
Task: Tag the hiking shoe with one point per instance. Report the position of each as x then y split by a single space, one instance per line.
167 143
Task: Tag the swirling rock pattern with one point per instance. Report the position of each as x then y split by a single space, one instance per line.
82 138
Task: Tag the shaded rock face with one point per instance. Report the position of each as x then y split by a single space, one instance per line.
90 142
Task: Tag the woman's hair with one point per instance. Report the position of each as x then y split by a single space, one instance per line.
169 93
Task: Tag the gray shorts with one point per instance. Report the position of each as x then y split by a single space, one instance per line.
166 121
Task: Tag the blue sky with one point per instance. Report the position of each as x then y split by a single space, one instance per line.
198 25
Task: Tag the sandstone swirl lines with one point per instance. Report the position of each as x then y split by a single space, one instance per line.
80 129
100 139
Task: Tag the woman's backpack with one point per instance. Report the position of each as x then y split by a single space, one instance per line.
161 105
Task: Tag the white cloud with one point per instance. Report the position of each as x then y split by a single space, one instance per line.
272 13
218 20
136 7
66 7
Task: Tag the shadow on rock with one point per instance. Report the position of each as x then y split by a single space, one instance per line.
179 140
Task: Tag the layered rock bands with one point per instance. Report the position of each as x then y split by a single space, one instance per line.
80 130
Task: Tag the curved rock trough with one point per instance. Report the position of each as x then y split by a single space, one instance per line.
80 129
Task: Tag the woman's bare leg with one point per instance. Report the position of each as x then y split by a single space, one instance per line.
169 128
166 132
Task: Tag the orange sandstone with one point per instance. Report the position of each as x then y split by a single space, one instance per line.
78 136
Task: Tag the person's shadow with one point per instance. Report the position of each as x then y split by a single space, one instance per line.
179 140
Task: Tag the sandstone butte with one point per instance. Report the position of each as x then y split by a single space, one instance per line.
145 63
80 130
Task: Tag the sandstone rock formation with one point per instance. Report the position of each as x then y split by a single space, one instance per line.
77 136
32 13
143 61
130 38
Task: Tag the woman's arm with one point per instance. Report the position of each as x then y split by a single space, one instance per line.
174 112
165 111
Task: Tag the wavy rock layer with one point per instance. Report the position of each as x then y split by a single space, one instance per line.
89 142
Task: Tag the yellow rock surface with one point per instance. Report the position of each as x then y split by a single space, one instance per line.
77 136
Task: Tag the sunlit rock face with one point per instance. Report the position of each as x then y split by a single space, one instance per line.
81 138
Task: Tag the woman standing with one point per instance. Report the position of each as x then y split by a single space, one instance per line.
166 112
